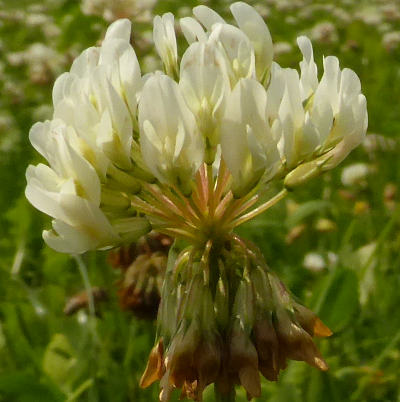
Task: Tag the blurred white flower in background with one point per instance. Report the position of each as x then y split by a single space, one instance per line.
391 40
282 48
324 32
314 262
370 14
9 132
374 143
355 174
43 62
115 9
391 11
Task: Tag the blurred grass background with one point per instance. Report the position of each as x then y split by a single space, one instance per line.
335 242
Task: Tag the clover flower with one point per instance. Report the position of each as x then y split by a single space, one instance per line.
187 152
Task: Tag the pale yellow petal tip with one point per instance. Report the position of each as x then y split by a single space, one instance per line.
321 364
153 371
148 377
321 330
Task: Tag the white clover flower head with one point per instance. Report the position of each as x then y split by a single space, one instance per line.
391 40
314 262
354 174
186 151
324 32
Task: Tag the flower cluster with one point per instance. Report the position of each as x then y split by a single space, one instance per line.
89 146
113 131
187 152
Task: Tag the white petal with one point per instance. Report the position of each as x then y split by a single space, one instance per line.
44 175
291 115
66 239
322 118
328 87
248 146
179 141
275 91
207 16
237 51
291 101
120 29
85 62
122 69
168 127
111 102
151 147
192 30
309 77
43 200
68 187
204 84
84 174
39 136
252 24
87 217
361 115
165 41
61 87
350 85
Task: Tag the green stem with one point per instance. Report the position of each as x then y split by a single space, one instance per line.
231 397
86 282
80 390
259 210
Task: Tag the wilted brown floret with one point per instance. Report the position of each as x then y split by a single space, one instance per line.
297 344
208 361
244 361
143 265
139 290
188 364
192 364
122 257
267 346
81 300
262 328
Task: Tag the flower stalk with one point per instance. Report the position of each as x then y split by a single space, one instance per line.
220 397
262 208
